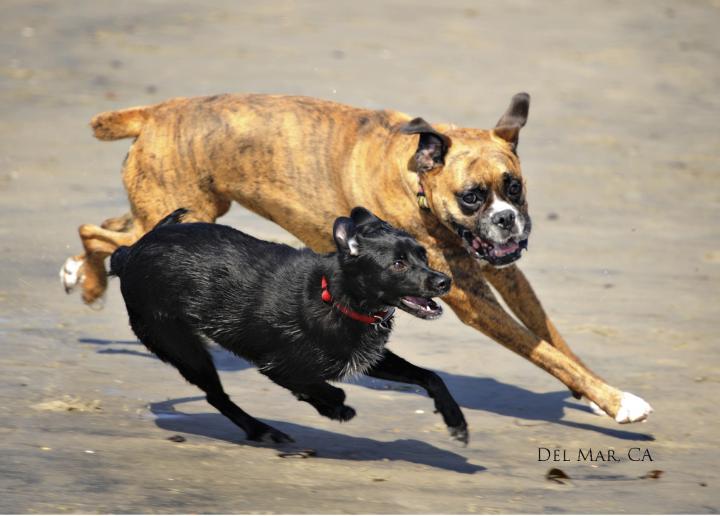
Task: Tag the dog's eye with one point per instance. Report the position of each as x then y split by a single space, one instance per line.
472 199
399 265
514 189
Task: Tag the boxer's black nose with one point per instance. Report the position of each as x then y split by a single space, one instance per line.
505 219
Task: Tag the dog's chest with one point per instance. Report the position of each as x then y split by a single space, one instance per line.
362 357
353 353
327 353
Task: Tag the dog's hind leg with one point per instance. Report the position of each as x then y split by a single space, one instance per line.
88 270
151 198
174 342
72 272
124 223
396 369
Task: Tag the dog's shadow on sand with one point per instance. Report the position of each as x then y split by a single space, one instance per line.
489 395
328 445
223 359
471 392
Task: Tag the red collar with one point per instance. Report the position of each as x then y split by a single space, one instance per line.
378 317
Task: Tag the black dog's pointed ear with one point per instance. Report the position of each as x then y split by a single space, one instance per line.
344 235
514 119
432 146
360 216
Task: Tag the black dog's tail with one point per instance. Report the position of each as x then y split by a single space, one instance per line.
117 261
174 218
119 257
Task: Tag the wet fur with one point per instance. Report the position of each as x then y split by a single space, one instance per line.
186 285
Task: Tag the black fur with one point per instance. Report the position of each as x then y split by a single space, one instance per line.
186 285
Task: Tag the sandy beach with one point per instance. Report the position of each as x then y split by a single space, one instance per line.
621 159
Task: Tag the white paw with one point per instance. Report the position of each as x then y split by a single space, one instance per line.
596 409
632 409
70 274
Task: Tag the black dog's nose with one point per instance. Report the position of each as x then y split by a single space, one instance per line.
505 219
440 283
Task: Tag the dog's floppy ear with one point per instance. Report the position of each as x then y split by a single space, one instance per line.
432 146
360 216
509 125
344 235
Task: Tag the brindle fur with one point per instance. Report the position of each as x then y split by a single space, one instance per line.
302 162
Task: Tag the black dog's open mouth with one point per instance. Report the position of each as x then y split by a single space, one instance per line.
493 252
422 307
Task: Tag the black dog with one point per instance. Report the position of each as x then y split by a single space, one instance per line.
302 318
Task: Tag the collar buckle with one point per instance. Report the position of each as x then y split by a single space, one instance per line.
384 321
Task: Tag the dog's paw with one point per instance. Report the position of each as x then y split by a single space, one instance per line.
270 435
97 304
344 413
595 408
460 433
71 274
340 413
632 409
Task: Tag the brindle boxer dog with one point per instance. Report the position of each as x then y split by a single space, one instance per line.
303 162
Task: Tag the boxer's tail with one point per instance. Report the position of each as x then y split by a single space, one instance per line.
126 123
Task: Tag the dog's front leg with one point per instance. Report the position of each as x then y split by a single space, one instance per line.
396 369
475 304
516 291
328 400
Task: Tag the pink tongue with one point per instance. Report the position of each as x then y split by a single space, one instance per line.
503 249
420 301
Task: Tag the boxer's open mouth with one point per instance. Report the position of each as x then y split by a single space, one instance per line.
494 253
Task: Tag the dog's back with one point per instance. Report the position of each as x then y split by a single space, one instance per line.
119 258
215 278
